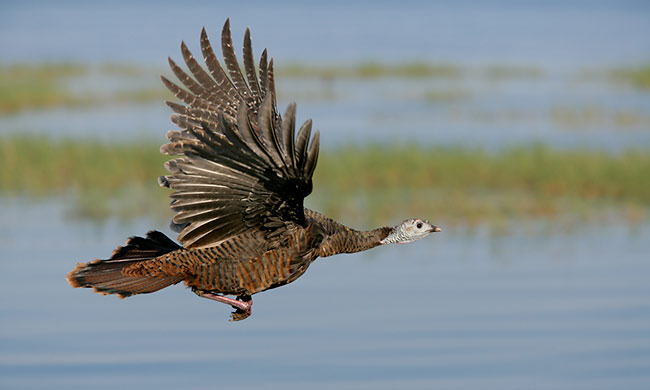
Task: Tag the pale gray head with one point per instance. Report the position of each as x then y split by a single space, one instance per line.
409 231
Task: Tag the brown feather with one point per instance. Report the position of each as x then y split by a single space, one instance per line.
107 276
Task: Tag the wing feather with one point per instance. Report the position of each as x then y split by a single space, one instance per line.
312 155
187 97
249 66
288 134
302 142
241 166
271 81
233 65
212 90
267 127
264 75
218 74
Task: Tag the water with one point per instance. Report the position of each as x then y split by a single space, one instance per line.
560 39
493 115
538 306
556 33
460 310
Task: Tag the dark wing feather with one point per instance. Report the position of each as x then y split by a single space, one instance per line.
233 65
225 84
249 66
264 74
288 133
241 168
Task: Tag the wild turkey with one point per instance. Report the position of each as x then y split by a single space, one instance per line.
238 193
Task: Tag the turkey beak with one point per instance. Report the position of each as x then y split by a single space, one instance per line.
435 229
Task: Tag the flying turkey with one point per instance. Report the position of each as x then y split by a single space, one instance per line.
238 190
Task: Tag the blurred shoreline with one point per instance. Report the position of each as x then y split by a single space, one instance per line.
60 85
370 184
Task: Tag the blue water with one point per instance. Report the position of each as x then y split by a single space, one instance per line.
536 306
380 111
533 308
556 33
561 39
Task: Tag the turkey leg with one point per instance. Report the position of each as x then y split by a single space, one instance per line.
243 304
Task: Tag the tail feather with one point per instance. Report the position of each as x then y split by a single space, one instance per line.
106 276
154 245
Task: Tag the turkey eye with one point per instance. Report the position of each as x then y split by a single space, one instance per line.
419 225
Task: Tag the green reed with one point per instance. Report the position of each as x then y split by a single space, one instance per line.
376 182
37 86
638 77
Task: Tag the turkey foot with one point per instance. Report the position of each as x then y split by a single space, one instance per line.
242 304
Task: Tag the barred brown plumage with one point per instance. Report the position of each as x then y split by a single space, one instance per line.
238 190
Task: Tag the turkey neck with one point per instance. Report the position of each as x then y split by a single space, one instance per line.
350 241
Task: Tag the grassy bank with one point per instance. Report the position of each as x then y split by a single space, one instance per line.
37 86
45 86
639 77
374 183
476 186
371 69
411 69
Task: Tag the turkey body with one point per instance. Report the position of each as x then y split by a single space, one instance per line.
247 264
242 265
238 182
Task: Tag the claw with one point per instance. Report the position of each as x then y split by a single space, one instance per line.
239 315
242 304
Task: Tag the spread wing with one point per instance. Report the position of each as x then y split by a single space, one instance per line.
242 166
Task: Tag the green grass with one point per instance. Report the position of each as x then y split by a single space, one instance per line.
476 185
375 183
592 115
44 86
412 69
436 96
638 77
635 76
504 72
371 69
41 166
37 86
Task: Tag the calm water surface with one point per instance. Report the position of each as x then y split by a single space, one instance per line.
560 39
492 115
561 34
533 308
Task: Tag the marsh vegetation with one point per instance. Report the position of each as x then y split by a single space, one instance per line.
459 185
528 144
371 181
43 86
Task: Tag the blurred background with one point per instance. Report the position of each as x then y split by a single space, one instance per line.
521 128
